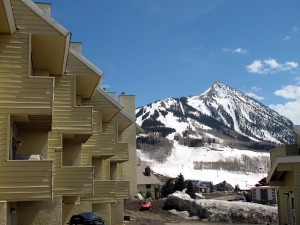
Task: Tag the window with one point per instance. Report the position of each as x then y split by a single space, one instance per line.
148 186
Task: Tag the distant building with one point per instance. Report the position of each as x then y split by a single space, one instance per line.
285 173
147 182
264 194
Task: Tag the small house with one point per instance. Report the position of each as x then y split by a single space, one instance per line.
147 182
264 194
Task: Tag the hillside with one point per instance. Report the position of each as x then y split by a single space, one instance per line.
219 115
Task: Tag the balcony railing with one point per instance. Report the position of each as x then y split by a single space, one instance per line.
122 189
121 153
74 121
104 191
105 146
26 180
70 181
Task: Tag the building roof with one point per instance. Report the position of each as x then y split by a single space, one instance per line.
264 187
143 179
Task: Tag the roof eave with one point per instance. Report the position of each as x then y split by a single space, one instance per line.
10 16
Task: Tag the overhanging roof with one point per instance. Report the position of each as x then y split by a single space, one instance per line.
7 24
124 120
282 164
87 74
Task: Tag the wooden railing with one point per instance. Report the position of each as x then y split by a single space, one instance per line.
70 181
121 153
26 180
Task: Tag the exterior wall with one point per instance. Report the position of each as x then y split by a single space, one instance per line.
34 143
71 154
39 213
103 209
129 136
4 134
3 213
28 95
28 21
117 213
287 187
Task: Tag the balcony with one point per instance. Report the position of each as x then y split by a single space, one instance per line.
122 189
74 122
104 191
121 153
26 180
73 181
104 147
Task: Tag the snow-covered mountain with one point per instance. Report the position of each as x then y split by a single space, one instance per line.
220 115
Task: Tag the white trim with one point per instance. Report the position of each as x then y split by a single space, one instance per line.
110 98
67 46
85 61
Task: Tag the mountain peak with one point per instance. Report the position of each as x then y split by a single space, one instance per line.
221 113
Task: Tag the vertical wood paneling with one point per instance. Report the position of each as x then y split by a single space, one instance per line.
4 137
105 169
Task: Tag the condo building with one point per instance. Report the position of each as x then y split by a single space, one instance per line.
66 145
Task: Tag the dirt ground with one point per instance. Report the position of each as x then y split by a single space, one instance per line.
155 216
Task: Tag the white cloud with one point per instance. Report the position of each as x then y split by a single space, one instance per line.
270 65
237 50
289 92
290 110
256 67
255 96
286 38
256 89
296 29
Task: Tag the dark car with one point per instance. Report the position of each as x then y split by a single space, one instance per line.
87 218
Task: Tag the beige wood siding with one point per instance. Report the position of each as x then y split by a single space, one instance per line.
26 180
19 93
55 147
105 169
70 181
122 189
4 137
68 119
104 191
28 21
100 144
120 171
77 67
121 153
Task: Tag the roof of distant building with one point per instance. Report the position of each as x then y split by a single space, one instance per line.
142 178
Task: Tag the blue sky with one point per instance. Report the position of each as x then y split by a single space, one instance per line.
157 49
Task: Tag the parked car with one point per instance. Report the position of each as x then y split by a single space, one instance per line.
87 218
146 205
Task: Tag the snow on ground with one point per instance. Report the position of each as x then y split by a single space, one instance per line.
182 158
217 210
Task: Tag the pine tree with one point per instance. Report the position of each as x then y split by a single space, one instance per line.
179 183
190 190
167 189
